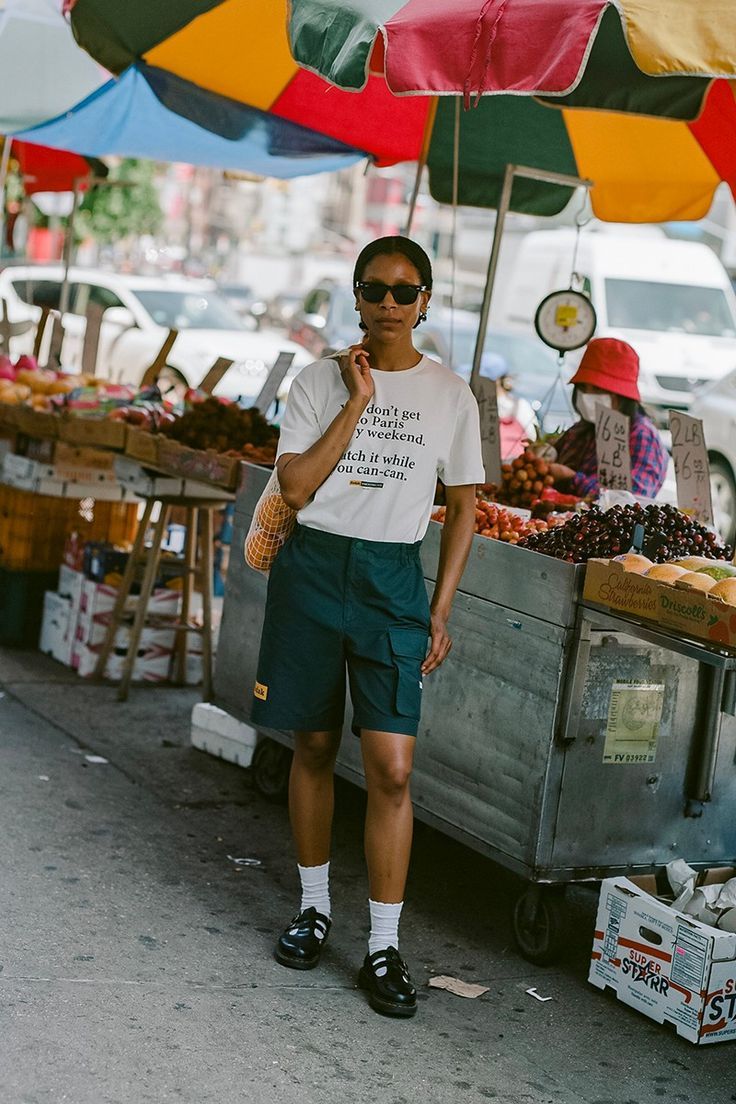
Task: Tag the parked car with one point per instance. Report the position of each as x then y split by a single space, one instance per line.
716 405
244 302
672 300
281 309
326 319
138 312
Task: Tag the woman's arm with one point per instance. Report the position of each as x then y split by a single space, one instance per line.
457 536
301 473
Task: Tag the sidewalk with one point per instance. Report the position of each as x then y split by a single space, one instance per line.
136 956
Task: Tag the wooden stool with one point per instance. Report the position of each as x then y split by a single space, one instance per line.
197 511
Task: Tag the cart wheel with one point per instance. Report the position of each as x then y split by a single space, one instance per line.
271 765
539 923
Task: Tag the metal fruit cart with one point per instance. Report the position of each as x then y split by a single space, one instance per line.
517 756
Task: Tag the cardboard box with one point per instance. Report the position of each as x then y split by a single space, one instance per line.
673 606
92 633
152 663
73 464
220 734
664 963
607 583
98 599
70 586
57 635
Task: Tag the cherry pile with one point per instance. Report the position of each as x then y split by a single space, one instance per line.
668 535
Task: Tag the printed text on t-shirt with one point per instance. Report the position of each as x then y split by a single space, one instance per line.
382 423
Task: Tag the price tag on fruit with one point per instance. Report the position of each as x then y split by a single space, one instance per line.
612 448
692 470
490 433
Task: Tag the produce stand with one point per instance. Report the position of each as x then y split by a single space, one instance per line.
510 754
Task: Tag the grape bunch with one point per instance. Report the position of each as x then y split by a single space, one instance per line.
668 535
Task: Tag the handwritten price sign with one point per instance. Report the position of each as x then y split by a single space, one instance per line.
692 470
490 432
612 448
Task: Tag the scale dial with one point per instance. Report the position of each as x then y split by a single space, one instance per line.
565 320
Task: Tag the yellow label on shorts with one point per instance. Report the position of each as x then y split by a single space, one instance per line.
260 691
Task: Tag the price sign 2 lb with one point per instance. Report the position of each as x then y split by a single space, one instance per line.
612 448
692 470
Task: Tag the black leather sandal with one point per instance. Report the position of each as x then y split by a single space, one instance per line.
391 993
300 945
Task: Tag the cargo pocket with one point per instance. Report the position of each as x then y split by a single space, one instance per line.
408 649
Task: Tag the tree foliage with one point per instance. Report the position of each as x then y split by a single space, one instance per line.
111 213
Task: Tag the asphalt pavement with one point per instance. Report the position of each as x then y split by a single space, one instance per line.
135 958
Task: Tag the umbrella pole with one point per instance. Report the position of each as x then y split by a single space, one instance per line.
421 164
501 212
69 250
4 163
503 209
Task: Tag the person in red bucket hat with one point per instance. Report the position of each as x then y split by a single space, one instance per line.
608 374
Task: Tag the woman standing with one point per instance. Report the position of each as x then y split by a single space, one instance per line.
363 441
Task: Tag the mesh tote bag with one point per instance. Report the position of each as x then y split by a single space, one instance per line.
271 526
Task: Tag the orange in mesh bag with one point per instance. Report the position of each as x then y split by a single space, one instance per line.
272 523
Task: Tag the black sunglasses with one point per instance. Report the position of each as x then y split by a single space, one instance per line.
403 294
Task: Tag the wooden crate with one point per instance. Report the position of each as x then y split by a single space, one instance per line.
9 415
37 423
205 466
142 445
101 432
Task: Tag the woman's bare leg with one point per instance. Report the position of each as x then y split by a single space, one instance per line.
311 795
388 759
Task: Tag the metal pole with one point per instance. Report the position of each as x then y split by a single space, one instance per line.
4 162
503 209
68 250
501 212
89 183
414 198
421 166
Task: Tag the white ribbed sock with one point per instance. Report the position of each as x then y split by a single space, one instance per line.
316 888
384 927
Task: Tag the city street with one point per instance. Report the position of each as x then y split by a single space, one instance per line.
136 954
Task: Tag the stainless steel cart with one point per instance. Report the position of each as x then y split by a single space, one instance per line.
516 727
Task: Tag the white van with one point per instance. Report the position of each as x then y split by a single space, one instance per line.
671 300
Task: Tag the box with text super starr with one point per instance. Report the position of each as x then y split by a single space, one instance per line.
664 963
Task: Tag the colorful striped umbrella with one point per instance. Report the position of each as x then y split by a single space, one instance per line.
634 95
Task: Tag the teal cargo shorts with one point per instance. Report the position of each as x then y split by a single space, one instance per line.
338 607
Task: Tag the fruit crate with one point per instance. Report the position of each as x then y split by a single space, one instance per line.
9 415
102 432
204 466
34 528
37 423
142 445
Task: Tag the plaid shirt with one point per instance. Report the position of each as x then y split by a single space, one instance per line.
576 449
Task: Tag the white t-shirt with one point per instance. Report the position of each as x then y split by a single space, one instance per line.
421 424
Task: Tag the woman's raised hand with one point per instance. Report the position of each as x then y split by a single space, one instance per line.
356 374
